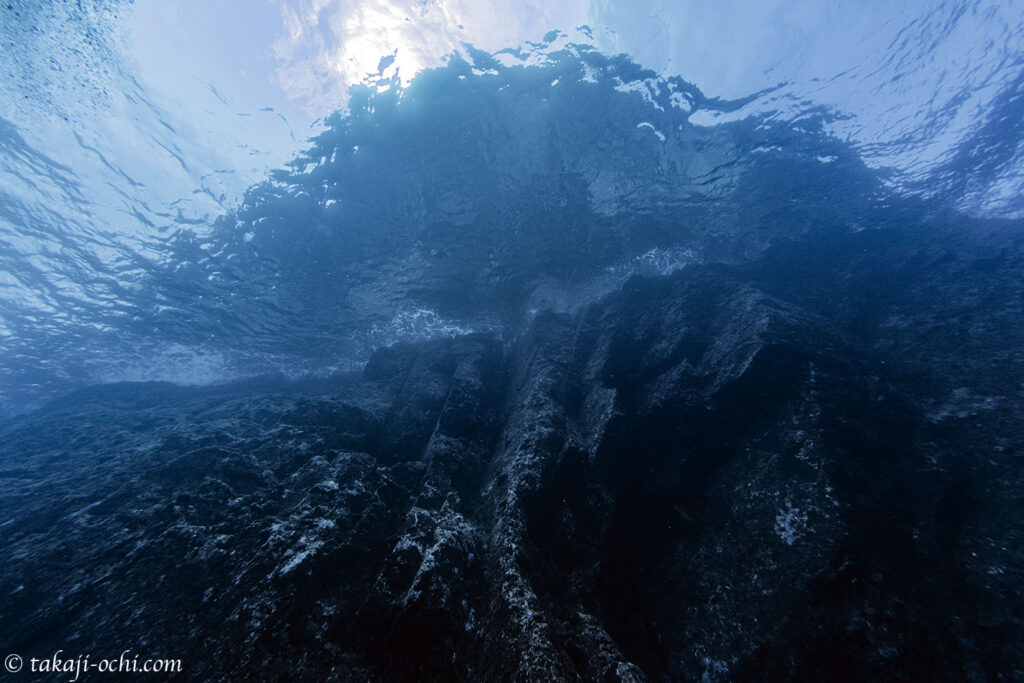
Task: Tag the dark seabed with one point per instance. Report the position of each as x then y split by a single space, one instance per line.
538 366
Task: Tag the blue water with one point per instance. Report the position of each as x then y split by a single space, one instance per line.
471 196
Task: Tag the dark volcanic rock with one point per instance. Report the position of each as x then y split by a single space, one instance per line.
799 468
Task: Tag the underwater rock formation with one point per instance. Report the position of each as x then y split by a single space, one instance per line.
803 466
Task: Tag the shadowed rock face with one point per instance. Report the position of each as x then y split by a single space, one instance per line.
805 467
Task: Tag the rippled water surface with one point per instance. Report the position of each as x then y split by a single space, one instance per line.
198 194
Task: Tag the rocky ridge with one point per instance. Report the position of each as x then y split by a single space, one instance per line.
806 466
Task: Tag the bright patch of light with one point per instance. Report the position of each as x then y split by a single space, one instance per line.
326 46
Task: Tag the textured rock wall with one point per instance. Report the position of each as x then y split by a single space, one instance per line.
807 467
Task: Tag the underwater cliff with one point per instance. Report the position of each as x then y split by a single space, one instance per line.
803 466
539 366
